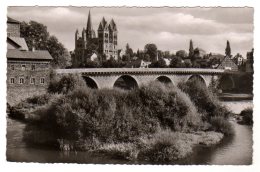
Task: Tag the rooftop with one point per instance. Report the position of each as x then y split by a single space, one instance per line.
29 55
11 20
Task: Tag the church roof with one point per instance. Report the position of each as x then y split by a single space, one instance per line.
29 55
103 25
113 25
89 22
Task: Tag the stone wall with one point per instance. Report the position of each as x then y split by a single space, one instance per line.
27 70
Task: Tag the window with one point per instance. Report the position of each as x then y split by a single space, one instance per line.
23 67
12 67
33 67
21 80
32 80
42 81
12 80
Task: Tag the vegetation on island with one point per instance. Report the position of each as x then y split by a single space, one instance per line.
246 117
157 122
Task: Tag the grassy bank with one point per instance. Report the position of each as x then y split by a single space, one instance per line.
154 122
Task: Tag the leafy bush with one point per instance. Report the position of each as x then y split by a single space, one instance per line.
166 146
65 83
39 99
247 116
115 116
220 124
203 97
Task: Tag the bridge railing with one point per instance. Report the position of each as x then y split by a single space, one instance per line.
141 70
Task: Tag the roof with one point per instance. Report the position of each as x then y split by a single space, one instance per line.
11 20
21 43
102 24
29 55
229 62
89 22
113 25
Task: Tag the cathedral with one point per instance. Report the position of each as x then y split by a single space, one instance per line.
104 44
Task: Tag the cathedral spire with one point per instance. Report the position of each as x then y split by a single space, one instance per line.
89 23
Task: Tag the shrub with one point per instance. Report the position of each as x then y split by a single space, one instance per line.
247 116
16 113
65 83
166 146
38 99
203 97
115 116
220 124
126 151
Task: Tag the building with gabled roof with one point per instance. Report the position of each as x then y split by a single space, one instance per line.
228 64
28 72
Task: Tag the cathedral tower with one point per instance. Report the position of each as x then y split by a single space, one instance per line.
107 39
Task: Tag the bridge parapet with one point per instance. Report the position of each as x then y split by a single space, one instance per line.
142 71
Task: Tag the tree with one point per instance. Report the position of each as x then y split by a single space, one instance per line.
176 62
187 63
228 49
37 36
147 57
191 50
128 53
91 64
158 64
182 54
61 56
112 63
151 50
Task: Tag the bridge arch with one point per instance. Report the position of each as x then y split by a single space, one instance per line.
126 82
197 77
226 83
165 80
90 82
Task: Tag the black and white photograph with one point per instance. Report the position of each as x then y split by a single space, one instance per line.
130 85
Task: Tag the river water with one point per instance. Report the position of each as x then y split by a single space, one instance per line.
235 150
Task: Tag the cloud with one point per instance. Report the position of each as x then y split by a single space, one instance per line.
169 28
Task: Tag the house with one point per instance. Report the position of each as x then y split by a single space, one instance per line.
94 57
28 72
144 64
138 64
228 64
238 59
167 61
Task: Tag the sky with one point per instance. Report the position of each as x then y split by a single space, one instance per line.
169 28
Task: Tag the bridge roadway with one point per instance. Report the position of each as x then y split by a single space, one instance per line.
106 77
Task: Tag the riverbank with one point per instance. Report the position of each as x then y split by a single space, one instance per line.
162 147
234 97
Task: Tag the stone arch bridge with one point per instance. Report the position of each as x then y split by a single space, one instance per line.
107 77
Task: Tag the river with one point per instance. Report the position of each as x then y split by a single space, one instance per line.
235 150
